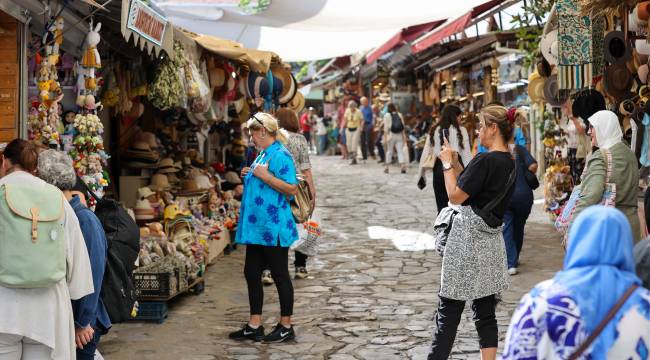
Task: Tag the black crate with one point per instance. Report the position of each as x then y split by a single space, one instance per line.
158 286
153 311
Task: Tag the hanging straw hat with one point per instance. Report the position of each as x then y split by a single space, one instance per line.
145 192
166 166
297 103
617 49
618 81
289 86
552 93
159 182
536 87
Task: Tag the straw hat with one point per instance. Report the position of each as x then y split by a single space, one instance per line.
643 73
190 187
618 81
297 103
536 87
143 210
552 93
172 178
217 76
257 86
145 192
148 137
166 166
617 49
160 182
289 86
140 155
549 47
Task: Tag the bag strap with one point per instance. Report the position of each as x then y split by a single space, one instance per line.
609 163
511 180
603 323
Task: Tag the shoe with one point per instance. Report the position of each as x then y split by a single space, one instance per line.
301 272
247 332
513 271
267 279
386 170
403 171
353 162
380 161
279 334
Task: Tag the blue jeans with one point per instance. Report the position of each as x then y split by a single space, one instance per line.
514 222
88 352
322 144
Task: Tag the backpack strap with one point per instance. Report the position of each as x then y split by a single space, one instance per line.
603 323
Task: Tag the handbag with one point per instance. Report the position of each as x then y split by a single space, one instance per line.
603 323
445 219
609 199
302 203
531 178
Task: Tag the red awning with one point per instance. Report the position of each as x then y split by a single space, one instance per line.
454 27
406 35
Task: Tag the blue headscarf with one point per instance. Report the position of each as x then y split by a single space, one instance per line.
598 267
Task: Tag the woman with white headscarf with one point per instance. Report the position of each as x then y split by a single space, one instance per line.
606 134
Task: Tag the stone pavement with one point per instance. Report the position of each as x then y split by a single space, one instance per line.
367 299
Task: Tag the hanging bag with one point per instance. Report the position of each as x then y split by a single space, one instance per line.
608 199
302 203
32 237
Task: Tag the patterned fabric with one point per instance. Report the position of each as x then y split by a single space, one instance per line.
265 215
556 316
578 46
297 146
577 166
474 263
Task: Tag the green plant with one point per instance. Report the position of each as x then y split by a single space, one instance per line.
529 25
253 7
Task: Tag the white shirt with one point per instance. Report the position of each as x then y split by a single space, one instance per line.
321 129
388 122
45 314
465 153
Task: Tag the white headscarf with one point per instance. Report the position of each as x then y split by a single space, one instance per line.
608 130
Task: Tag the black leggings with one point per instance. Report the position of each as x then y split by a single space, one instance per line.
442 199
301 259
448 317
259 257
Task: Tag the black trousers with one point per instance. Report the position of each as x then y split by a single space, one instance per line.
275 258
301 259
448 317
380 147
442 199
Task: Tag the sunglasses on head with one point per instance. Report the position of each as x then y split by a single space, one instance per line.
258 120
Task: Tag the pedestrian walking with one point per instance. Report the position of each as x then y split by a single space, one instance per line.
353 121
267 227
341 126
306 125
36 320
297 146
367 147
520 206
321 132
90 316
379 134
594 308
474 261
394 137
606 134
448 128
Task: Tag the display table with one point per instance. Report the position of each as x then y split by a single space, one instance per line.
216 246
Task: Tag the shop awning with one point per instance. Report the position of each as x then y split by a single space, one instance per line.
453 27
405 35
257 60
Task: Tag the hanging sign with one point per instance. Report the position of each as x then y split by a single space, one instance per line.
146 22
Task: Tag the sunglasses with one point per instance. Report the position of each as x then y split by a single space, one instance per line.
258 120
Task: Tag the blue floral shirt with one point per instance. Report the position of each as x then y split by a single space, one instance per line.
265 215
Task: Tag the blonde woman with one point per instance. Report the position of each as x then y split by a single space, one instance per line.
353 120
267 227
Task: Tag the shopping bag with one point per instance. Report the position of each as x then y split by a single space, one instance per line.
308 241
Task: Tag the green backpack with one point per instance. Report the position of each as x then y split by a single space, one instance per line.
32 238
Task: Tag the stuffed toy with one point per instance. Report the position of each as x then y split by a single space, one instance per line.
91 58
58 34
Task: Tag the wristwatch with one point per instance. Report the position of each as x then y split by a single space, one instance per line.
446 166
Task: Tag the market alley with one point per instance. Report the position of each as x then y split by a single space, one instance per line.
371 294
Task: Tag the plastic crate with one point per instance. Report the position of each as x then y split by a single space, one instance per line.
152 311
158 286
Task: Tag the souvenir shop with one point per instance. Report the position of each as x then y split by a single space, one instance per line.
600 48
152 115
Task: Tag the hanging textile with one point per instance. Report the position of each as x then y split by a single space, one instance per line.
580 41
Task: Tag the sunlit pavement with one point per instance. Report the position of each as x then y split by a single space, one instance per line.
373 289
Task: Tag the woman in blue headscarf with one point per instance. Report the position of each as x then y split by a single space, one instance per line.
558 315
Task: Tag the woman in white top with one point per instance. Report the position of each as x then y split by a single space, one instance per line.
394 138
37 324
448 127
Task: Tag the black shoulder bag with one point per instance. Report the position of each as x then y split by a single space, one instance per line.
486 212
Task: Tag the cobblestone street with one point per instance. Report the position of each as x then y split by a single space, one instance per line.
369 297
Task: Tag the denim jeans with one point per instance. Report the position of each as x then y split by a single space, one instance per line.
514 222
366 141
380 147
322 144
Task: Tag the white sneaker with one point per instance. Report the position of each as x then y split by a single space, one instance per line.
513 271
266 278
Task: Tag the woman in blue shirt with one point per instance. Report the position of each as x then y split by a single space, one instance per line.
267 227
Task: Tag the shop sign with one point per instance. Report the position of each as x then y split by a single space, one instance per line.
146 22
